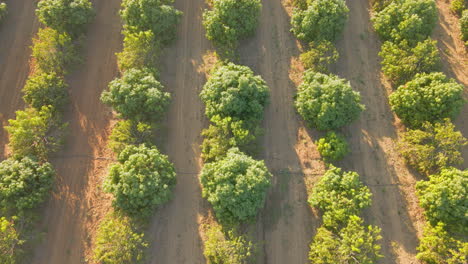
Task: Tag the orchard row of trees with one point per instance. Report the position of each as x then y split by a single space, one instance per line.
327 103
426 100
26 177
142 178
232 180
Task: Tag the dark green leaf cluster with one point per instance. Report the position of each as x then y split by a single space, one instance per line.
428 97
464 26
9 241
411 20
327 102
355 243
24 183
151 15
226 247
142 180
332 147
320 56
433 147
70 16
339 195
444 199
236 186
118 242
141 50
128 132
231 20
401 62
322 20
138 96
46 89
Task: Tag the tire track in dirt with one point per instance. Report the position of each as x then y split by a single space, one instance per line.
174 229
71 215
372 139
16 33
286 225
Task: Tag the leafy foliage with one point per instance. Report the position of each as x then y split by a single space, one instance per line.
411 20
464 26
457 6
9 242
322 20
401 62
444 198
433 147
339 195
137 95
236 186
353 244
154 15
332 147
54 51
428 97
231 20
142 180
24 183
118 242
35 132
320 56
3 11
229 248
71 16
141 50
326 101
235 100
128 132
439 247
379 5
43 89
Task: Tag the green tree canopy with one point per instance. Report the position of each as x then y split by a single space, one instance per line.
231 20
9 242
71 16
154 15
339 195
24 183
322 20
128 132
118 242
327 102
332 147
432 147
444 198
138 96
401 62
3 11
236 186
35 132
142 180
464 26
320 56
353 244
428 97
141 50
411 20
43 89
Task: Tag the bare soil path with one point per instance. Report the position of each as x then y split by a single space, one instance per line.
16 34
71 215
174 229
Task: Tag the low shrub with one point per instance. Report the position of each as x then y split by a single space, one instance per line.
117 242
457 6
355 243
322 20
71 16
53 51
141 50
428 97
332 147
327 102
142 180
43 89
443 198
464 26
3 11
128 132
339 195
9 242
236 186
35 132
320 56
226 247
24 183
137 96
401 62
433 147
